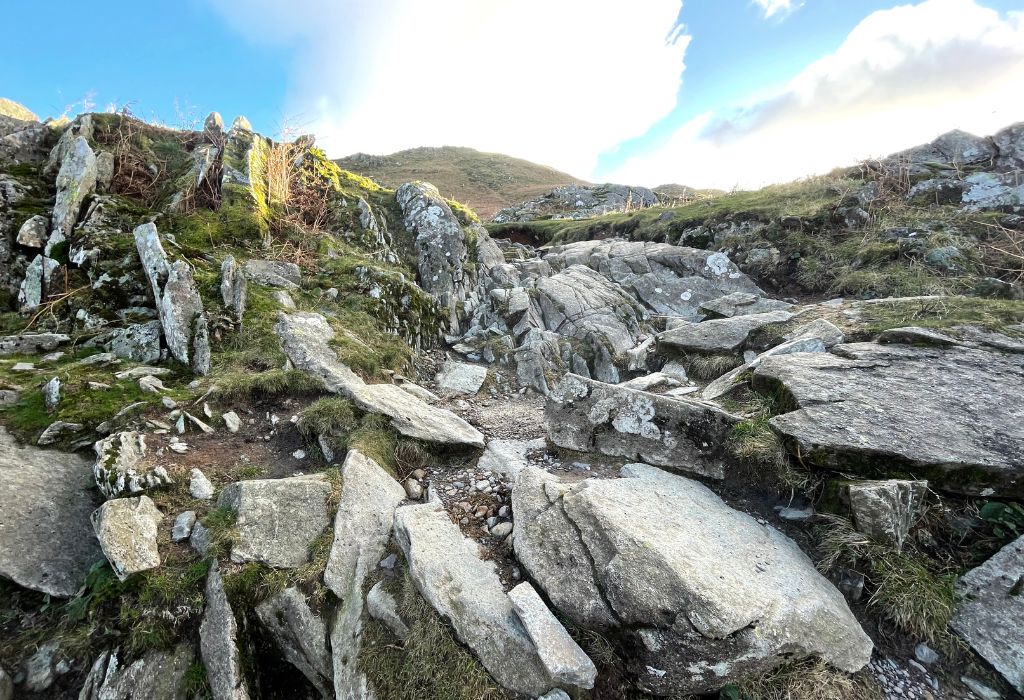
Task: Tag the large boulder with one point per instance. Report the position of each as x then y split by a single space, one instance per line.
46 498
155 674
277 519
305 337
75 181
127 530
991 609
703 595
589 416
461 378
465 590
950 415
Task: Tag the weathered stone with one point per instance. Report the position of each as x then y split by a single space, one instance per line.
575 201
183 525
742 304
119 468
913 335
990 610
305 336
202 357
75 181
34 232
466 591
563 658
127 530
732 379
461 378
104 170
300 634
46 498
218 645
156 674
31 343
213 126
199 486
57 430
726 335
383 607
886 510
284 300
139 342
43 667
51 394
277 519
704 595
586 416
6 685
952 416
508 457
273 273
34 287
826 331
234 287
231 421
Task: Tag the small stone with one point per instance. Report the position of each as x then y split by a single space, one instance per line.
56 430
382 606
183 526
127 531
501 530
980 689
51 394
925 654
419 474
388 563
151 385
169 403
34 232
231 421
200 487
299 454
23 367
200 424
413 489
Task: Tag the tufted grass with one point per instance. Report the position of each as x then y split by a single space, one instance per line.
811 679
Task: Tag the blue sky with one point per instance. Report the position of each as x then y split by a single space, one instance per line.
743 92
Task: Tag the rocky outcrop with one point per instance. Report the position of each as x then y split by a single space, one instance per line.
590 416
177 298
742 304
127 531
704 595
156 674
579 202
299 634
31 343
277 519
119 468
990 609
218 645
466 591
137 342
304 338
75 181
950 415
46 498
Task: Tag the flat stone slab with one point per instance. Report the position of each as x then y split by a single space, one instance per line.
30 343
277 519
46 498
989 615
273 273
723 335
742 304
127 529
304 338
461 378
589 416
953 416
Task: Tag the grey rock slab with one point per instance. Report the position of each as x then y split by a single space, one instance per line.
886 509
300 634
465 590
127 530
156 674
589 416
914 335
46 498
33 288
231 421
460 378
31 343
199 485
273 273
951 416
989 613
233 286
138 342
508 457
183 526
277 519
565 661
706 594
304 338
725 335
34 232
829 333
742 304
75 181
218 642
56 430
733 378
362 525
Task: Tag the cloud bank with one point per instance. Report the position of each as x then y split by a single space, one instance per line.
900 78
554 82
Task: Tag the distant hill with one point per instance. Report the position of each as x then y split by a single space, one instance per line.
486 182
10 108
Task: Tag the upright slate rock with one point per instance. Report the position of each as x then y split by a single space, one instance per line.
156 674
218 642
75 181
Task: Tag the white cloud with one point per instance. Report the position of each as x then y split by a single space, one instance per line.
771 8
557 82
900 78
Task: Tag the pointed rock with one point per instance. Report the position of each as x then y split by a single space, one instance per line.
218 642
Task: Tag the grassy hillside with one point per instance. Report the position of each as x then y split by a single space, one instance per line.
486 182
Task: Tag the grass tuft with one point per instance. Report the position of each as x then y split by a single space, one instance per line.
237 385
811 679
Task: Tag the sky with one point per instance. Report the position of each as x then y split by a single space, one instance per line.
708 93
